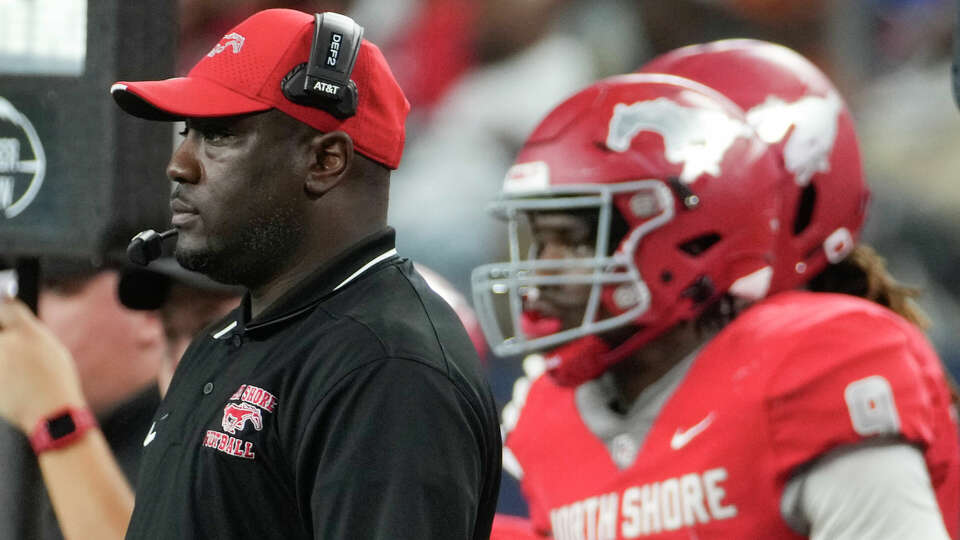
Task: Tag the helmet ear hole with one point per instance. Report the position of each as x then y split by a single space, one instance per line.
699 245
808 199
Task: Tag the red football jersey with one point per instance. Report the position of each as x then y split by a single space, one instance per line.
507 527
790 379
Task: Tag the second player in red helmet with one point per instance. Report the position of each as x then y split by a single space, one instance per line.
793 106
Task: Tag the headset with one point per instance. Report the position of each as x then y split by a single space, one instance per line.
324 82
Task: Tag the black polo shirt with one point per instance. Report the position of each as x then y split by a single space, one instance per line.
354 407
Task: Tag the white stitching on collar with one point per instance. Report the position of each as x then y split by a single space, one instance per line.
365 267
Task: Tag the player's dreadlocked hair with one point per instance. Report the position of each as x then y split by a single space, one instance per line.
864 273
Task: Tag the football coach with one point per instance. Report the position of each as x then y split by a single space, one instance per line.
342 399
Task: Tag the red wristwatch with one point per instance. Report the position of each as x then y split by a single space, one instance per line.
61 428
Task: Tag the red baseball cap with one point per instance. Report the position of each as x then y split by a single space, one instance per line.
243 73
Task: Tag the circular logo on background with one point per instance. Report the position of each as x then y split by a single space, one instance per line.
22 161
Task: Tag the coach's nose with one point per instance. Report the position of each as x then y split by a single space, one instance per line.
184 167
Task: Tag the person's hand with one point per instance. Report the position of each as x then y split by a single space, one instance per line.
37 374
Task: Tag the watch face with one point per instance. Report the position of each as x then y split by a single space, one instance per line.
61 426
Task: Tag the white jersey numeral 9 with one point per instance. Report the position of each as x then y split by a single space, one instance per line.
871 405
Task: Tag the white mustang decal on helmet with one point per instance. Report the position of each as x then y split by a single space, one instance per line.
698 138
814 121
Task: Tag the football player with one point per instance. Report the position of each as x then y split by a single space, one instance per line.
651 414
794 106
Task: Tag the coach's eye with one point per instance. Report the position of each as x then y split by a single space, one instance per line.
216 136
212 132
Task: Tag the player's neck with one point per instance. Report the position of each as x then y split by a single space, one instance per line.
633 375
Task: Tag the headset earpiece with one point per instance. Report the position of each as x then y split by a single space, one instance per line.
324 82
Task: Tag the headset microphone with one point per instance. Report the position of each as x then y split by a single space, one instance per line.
146 246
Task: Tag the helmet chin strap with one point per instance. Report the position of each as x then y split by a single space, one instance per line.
586 358
578 361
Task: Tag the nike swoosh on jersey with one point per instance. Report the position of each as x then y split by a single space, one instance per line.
681 437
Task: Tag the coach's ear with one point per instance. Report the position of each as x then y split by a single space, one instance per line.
331 155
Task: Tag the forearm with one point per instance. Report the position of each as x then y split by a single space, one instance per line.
90 496
89 493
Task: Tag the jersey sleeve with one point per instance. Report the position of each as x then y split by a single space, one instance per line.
395 452
520 422
844 380
539 521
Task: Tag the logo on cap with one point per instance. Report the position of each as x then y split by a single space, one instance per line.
232 39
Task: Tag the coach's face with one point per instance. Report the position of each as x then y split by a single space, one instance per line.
238 200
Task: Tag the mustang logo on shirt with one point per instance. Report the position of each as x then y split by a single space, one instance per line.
253 401
235 416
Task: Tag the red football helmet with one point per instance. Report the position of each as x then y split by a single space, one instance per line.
685 196
795 108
